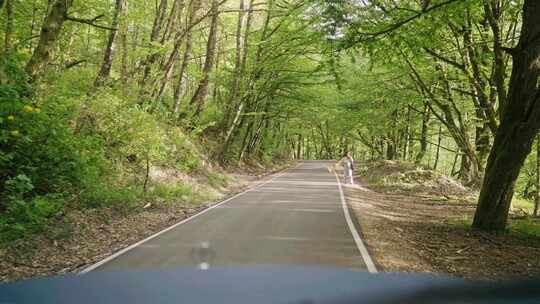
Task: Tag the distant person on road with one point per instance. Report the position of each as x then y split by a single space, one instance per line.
347 163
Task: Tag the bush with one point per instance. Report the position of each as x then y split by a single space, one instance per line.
43 163
23 217
36 142
87 150
172 193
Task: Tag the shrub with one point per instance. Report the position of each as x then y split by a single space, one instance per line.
42 161
23 217
36 142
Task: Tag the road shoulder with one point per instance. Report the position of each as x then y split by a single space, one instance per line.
422 232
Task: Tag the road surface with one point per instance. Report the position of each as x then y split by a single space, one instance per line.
295 217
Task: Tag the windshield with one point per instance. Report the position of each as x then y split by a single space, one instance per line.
367 136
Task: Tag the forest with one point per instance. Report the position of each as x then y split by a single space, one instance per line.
94 94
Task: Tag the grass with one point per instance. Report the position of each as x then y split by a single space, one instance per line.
529 227
519 203
218 180
464 222
523 228
171 193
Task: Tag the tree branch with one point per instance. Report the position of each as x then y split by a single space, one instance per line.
510 51
444 59
91 22
437 145
74 63
398 24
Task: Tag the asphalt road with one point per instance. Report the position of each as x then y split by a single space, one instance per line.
295 217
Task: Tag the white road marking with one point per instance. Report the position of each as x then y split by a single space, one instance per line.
149 246
121 252
204 266
356 236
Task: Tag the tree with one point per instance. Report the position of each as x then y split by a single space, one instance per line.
537 194
9 25
192 13
202 89
519 126
106 65
50 31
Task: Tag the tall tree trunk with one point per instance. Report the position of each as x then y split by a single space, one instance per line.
9 26
423 136
437 153
166 69
33 23
516 132
244 48
202 89
247 135
482 142
159 19
106 65
479 83
453 170
452 118
124 43
174 16
238 53
50 30
407 141
492 10
248 96
537 196
390 149
177 94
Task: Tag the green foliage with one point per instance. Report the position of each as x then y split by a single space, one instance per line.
36 142
217 180
42 161
521 205
173 193
26 216
65 141
526 228
526 183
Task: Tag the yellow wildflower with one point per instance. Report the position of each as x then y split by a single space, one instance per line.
37 110
11 117
28 109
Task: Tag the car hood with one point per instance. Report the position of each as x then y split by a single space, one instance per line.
258 284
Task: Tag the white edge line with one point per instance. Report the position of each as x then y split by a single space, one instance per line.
122 251
356 236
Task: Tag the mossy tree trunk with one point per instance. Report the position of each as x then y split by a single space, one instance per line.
106 64
520 124
537 195
50 31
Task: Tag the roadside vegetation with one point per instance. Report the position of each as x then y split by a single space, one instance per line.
120 104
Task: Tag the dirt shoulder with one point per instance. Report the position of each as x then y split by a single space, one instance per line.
83 237
420 225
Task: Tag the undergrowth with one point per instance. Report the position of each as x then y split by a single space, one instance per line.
68 148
